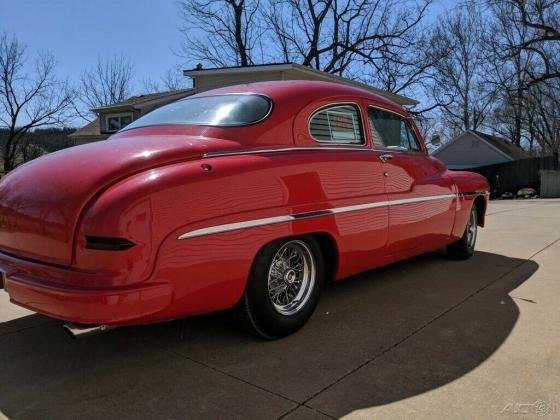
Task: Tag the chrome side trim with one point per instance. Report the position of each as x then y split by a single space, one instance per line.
473 194
298 216
419 199
235 226
286 149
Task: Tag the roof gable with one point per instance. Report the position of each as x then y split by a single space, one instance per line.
468 150
503 145
500 144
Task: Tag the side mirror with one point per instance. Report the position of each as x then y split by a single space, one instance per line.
435 140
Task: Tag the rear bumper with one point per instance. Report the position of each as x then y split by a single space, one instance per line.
114 306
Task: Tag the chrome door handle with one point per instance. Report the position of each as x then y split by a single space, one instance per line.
385 157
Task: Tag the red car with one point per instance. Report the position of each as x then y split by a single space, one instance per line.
249 196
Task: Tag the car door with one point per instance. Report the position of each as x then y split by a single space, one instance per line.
421 197
355 184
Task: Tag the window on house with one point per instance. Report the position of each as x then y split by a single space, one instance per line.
337 124
116 122
391 131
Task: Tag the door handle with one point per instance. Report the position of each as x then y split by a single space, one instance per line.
385 157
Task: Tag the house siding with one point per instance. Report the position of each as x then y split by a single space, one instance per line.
468 151
208 82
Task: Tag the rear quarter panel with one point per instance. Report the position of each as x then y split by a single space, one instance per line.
470 187
209 272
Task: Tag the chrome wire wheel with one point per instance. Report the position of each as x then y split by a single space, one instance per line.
471 229
291 277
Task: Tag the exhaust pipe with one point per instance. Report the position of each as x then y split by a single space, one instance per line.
79 331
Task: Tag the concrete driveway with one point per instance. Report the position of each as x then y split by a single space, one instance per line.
424 338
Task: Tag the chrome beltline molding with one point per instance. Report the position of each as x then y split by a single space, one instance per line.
317 213
473 194
357 147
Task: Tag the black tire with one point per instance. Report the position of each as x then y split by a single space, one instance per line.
259 313
464 248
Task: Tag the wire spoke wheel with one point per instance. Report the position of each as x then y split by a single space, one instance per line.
291 277
463 248
284 287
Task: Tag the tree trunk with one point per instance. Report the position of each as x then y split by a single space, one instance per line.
241 47
9 164
8 154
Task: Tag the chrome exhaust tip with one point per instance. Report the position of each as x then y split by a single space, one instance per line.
79 331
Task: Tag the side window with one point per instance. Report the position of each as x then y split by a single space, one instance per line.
392 131
337 124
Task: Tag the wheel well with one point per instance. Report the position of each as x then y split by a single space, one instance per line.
328 247
480 204
330 253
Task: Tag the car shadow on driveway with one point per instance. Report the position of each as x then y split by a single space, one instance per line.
376 338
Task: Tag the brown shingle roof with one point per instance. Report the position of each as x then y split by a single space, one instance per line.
136 101
503 145
91 129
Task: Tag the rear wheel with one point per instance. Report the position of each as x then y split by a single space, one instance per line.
283 288
464 247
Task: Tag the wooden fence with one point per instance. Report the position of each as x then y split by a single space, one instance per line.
512 176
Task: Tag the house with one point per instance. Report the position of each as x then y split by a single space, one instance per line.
473 149
114 117
206 79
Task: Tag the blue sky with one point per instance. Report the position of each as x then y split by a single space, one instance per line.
77 32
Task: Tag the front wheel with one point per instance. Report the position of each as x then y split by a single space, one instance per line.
283 288
464 247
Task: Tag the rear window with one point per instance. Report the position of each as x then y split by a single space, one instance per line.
218 110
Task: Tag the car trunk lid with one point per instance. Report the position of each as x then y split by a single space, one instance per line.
41 201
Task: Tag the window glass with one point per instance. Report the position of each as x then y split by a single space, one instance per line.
113 124
116 122
218 110
125 120
337 124
390 130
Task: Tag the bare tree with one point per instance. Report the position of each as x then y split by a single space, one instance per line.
226 32
172 79
542 20
508 71
331 35
543 116
108 82
460 74
30 97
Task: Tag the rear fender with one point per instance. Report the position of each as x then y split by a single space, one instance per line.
472 189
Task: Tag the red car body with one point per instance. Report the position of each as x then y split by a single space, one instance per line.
184 209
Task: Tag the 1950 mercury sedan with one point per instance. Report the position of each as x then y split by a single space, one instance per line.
249 196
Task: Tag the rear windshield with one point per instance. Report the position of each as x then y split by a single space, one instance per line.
218 110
